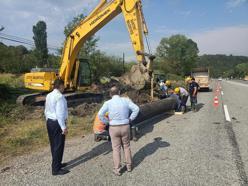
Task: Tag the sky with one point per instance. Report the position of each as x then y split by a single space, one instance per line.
217 26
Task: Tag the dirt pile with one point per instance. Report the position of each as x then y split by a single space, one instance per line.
138 97
85 109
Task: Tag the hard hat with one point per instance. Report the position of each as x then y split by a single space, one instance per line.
177 90
168 82
188 79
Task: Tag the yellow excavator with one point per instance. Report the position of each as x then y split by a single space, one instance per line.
42 79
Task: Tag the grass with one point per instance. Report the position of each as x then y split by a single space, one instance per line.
25 136
22 128
15 81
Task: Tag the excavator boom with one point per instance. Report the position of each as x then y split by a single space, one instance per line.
98 18
104 13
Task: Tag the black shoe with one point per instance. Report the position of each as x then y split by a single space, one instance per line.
60 172
63 165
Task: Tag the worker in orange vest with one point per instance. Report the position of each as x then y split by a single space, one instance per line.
100 129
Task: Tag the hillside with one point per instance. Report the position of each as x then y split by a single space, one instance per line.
221 65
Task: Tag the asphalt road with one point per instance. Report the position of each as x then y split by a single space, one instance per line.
193 149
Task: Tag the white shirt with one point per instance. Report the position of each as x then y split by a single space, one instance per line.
183 91
56 108
118 109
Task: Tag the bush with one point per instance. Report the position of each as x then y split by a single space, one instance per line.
12 81
174 77
4 92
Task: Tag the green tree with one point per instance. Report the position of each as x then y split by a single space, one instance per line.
40 40
11 58
241 70
104 65
177 54
90 44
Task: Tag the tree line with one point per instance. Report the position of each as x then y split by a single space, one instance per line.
225 66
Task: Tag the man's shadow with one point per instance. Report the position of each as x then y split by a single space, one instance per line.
104 148
199 106
148 125
148 150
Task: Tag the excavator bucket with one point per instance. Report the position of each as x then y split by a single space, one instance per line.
136 78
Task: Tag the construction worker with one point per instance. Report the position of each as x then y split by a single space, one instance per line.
164 89
168 83
193 90
172 94
101 129
183 94
122 111
187 80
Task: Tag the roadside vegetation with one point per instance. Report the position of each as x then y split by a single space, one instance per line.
22 128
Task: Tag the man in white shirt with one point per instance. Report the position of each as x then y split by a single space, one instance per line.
56 113
121 111
183 94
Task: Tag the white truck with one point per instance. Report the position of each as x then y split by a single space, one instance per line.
202 77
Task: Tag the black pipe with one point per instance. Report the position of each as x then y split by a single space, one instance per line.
155 108
147 112
151 110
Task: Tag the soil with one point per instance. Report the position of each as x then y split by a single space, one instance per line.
85 109
137 96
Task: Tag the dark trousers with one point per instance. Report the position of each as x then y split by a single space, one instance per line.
57 143
184 100
193 100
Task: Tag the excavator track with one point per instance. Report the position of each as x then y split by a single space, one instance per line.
73 98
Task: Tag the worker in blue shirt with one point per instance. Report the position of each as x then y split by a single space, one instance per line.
121 112
56 113
183 95
163 89
172 94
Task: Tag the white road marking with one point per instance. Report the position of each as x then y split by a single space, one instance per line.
227 113
222 93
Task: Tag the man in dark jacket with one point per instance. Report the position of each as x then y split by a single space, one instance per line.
193 90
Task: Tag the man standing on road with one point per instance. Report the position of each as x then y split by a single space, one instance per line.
56 113
193 90
118 109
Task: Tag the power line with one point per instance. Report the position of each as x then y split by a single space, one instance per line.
16 37
16 41
23 41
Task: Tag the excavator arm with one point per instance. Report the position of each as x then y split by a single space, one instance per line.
100 16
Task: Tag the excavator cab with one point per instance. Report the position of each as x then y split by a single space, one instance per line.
84 73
